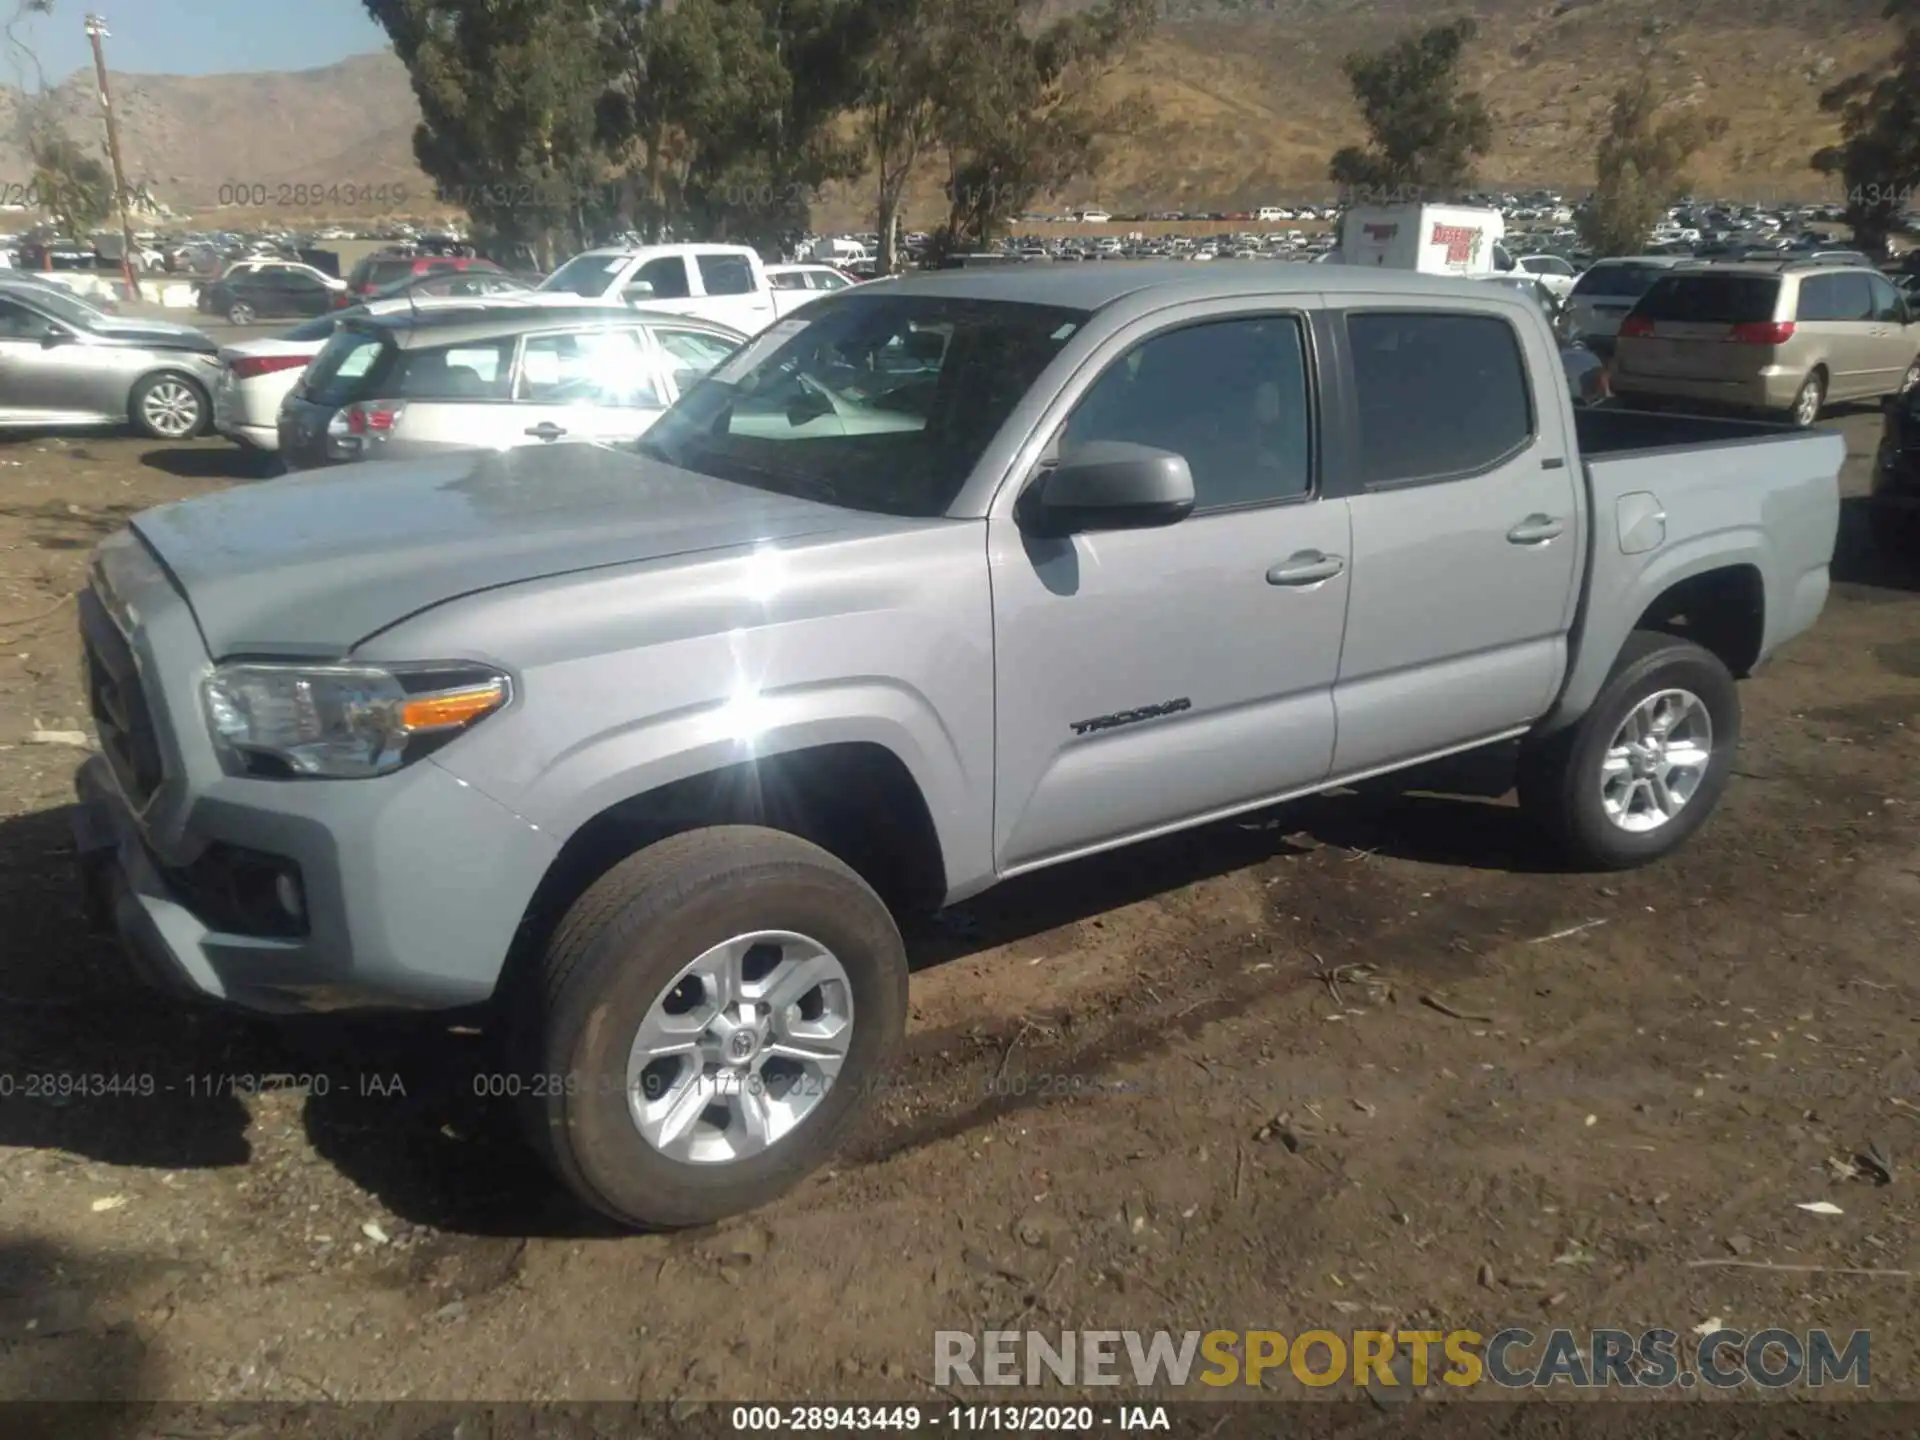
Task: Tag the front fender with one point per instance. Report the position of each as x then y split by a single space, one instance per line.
621 764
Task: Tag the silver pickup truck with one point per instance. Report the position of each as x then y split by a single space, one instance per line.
946 580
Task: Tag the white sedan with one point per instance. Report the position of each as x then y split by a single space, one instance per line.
1555 272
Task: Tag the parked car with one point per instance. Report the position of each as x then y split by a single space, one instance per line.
1556 272
1787 339
64 363
266 264
1607 292
269 294
256 375
1895 502
376 272
453 285
703 716
726 284
408 384
808 277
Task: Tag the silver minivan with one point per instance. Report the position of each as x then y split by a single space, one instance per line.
408 384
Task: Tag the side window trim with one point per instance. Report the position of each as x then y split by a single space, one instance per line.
1311 370
1513 452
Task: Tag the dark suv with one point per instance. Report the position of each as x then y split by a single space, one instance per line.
376 272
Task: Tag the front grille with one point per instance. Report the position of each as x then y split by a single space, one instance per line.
120 713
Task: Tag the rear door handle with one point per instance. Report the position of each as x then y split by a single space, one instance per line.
1307 567
545 430
1536 530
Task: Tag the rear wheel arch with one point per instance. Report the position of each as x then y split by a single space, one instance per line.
1723 610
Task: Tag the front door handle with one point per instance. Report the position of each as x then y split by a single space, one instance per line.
545 430
1536 530
1306 567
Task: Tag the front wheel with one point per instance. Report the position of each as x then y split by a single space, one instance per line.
713 1009
1911 380
169 407
239 313
1647 763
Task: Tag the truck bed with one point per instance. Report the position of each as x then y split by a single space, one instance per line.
1607 431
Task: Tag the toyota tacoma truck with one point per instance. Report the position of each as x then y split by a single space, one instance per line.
946 580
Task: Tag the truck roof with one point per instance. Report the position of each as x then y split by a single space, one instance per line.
1093 287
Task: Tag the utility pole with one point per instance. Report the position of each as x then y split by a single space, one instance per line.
96 32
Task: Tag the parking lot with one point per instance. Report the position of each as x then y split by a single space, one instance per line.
1360 1061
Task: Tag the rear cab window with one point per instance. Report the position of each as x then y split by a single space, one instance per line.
1441 394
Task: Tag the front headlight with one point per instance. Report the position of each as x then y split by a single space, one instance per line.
342 722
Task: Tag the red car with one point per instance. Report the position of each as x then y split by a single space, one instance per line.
376 272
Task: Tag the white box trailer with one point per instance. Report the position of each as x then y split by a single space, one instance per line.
1431 239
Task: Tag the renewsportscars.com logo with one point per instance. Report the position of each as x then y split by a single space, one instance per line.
1508 1359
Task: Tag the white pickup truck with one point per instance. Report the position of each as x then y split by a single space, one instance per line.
726 284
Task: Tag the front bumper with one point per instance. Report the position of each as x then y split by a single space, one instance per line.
412 885
412 900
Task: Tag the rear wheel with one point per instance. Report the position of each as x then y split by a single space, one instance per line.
1911 380
169 407
1645 766
1809 401
714 1009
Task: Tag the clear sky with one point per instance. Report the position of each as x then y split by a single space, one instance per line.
197 37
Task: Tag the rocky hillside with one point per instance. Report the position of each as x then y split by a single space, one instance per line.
1235 102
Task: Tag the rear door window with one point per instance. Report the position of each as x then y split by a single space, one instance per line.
1706 299
1819 299
725 274
1440 395
465 370
1856 296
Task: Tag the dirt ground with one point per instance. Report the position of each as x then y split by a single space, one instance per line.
1362 1062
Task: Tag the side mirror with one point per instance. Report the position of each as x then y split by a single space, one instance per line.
53 338
638 290
1107 485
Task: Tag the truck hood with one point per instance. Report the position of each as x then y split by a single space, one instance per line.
311 565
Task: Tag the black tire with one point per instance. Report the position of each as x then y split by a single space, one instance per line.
1797 414
138 410
1560 774
239 313
614 954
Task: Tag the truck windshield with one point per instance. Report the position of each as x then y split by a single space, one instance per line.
876 402
588 275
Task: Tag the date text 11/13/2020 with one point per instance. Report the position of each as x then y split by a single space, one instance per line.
59 1087
841 1419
